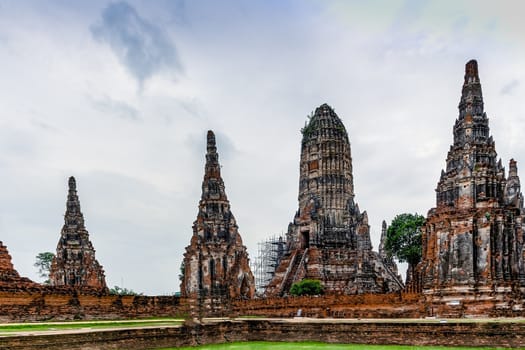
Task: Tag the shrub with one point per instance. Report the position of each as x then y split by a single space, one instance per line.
307 287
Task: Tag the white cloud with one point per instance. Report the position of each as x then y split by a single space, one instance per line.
143 47
510 87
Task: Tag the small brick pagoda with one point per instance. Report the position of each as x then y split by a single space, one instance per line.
216 264
75 264
329 238
473 244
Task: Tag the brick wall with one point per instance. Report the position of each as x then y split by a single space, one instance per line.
488 334
40 306
395 305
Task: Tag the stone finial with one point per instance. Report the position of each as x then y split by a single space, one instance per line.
72 184
471 72
73 213
211 145
471 103
212 184
513 168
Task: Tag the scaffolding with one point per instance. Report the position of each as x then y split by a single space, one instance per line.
269 254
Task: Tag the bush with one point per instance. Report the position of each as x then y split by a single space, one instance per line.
307 287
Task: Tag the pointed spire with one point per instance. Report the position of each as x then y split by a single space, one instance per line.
215 262
212 168
513 195
72 184
73 216
212 184
211 146
471 103
513 168
74 263
472 126
471 72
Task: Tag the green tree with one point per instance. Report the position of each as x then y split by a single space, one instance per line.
43 262
403 240
307 287
116 290
182 270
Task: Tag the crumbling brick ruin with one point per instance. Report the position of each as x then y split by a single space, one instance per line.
473 239
9 277
216 265
75 264
387 259
329 239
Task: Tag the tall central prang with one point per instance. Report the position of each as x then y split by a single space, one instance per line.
329 238
326 186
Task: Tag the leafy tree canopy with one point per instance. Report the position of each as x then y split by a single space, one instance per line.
403 238
116 290
307 287
43 262
182 269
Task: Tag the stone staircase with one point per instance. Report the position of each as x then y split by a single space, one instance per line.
293 271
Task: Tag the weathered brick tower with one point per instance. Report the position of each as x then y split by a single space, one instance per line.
473 238
75 264
329 239
216 265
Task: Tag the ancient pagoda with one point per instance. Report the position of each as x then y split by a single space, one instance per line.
75 264
329 238
473 239
215 266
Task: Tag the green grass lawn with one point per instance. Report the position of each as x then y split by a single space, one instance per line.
315 346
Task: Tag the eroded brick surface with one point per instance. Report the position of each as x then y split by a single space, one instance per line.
9 277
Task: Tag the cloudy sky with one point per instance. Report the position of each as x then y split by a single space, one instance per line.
121 94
